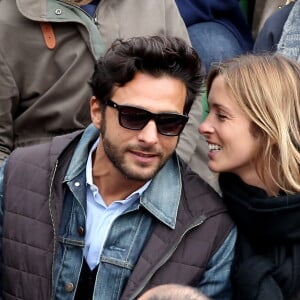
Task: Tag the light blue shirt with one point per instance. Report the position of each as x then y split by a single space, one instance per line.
100 216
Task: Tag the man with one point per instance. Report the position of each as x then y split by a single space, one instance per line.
45 42
110 212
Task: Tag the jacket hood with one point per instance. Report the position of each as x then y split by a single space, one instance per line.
46 10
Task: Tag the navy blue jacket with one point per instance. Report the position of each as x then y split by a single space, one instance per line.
270 34
225 12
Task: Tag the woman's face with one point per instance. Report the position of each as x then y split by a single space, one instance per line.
232 146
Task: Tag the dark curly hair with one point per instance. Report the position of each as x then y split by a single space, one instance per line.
153 55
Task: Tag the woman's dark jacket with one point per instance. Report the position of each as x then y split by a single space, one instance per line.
267 265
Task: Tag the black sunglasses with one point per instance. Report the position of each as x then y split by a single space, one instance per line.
135 118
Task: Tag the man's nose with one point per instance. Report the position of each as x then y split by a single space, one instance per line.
149 133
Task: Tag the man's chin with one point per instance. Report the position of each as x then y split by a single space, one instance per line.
140 174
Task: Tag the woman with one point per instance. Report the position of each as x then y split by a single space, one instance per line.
253 134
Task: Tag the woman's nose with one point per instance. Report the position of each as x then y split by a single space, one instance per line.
205 127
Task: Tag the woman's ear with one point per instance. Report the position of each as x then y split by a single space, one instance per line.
95 110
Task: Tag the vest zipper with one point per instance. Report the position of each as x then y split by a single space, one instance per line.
167 256
53 226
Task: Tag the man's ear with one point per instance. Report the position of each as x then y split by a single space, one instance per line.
95 109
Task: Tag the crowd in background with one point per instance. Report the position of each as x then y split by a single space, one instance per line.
231 68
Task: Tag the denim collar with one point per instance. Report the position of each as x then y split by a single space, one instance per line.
81 153
161 198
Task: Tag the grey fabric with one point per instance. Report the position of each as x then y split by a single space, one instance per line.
289 44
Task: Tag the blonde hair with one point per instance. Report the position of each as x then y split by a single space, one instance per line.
267 89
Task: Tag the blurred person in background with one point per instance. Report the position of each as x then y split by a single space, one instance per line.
218 29
280 32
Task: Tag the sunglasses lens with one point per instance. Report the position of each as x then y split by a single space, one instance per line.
133 118
136 118
168 124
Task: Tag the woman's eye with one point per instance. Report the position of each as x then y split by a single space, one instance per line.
221 116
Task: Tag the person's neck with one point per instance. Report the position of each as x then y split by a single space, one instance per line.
269 186
112 184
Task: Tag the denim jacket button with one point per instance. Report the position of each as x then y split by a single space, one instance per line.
80 230
69 287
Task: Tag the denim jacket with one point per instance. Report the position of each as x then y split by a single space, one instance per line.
128 235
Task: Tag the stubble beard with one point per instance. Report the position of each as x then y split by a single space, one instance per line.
117 158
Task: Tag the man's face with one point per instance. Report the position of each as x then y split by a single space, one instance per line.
139 154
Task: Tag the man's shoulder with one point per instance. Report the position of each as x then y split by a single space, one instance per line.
201 200
191 178
198 194
44 153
